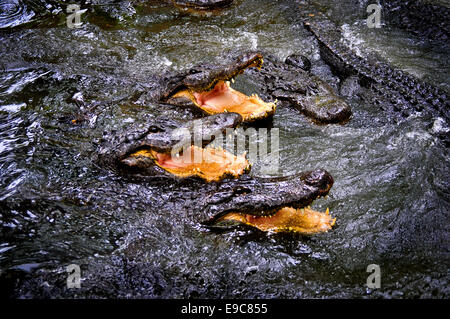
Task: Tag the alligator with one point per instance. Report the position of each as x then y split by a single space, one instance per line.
166 148
291 84
207 87
226 195
279 204
393 90
424 18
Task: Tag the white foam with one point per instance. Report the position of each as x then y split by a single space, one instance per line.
12 107
439 126
351 40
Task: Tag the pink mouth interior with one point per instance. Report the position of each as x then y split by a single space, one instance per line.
209 163
223 98
166 160
219 98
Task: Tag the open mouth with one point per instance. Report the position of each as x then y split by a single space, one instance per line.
210 164
287 219
220 97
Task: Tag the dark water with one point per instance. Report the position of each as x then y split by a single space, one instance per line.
390 196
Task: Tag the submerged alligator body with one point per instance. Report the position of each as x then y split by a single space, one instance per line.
226 195
392 89
207 87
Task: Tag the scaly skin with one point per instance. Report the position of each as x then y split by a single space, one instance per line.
288 82
423 18
265 196
392 88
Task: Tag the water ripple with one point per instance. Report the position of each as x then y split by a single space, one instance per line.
14 13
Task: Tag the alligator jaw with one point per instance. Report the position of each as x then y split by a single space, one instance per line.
287 219
217 95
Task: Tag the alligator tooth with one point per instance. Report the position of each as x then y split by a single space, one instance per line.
232 80
228 83
327 211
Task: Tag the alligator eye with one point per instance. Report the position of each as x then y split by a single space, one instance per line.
154 129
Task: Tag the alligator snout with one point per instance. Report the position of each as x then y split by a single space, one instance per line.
176 150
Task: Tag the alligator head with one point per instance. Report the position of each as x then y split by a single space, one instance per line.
272 204
208 88
291 83
163 147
